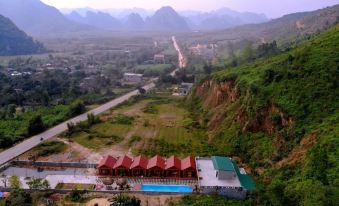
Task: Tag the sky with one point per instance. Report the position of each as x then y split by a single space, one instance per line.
272 8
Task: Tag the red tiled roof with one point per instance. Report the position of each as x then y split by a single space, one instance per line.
173 163
140 161
187 163
107 161
156 161
123 161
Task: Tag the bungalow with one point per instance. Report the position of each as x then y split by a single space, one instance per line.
106 165
173 167
122 166
188 167
139 166
156 166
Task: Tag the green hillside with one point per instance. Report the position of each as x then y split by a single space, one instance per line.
280 116
14 41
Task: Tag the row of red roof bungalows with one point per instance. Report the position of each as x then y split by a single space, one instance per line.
142 166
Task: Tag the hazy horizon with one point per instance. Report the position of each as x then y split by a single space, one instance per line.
271 9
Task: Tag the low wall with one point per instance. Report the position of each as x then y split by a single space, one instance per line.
4 167
53 164
64 191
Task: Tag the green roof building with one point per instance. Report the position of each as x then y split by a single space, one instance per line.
224 168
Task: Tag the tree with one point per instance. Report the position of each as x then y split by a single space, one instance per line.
124 200
19 197
248 53
35 125
75 195
208 69
38 184
14 182
76 108
91 119
141 90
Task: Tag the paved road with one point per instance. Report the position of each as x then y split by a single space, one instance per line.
182 59
28 144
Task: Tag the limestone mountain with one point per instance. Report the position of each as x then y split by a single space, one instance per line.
166 19
14 41
134 22
102 20
37 18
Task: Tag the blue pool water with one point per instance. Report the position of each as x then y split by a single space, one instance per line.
166 188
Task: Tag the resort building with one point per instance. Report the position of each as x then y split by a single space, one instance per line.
139 166
156 167
215 175
221 175
106 165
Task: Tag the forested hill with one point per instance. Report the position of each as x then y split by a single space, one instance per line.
14 41
280 117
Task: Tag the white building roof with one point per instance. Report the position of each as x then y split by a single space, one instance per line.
207 175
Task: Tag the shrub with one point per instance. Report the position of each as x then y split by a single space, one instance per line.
122 119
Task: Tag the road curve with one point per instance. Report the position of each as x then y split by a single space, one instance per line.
28 144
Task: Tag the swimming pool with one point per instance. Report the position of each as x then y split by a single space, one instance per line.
166 188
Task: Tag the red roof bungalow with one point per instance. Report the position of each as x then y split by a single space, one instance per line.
173 167
139 166
106 165
188 167
122 166
156 166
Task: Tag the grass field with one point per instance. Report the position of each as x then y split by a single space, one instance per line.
161 130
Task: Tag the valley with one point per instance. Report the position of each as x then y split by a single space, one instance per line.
168 107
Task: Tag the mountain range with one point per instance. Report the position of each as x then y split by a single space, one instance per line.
286 30
37 18
195 20
14 41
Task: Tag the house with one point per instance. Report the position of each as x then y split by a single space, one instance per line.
221 175
106 165
133 78
156 166
139 166
173 167
185 88
159 59
122 166
188 167
206 52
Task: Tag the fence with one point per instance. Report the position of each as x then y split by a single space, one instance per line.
53 164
